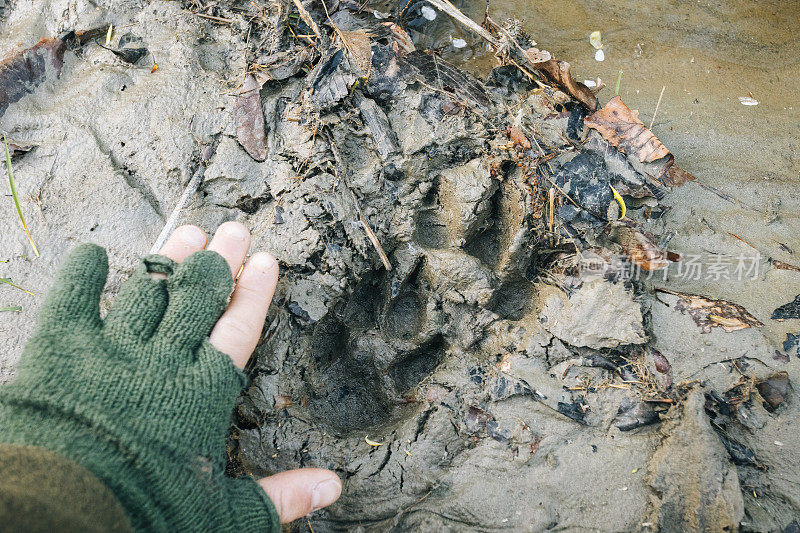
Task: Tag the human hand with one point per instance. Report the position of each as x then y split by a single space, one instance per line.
295 493
143 397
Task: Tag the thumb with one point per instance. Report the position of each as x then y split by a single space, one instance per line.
296 493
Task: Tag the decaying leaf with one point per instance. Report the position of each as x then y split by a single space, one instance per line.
359 47
516 136
788 311
640 248
676 176
784 266
774 390
634 414
22 71
621 127
558 72
708 313
249 117
333 78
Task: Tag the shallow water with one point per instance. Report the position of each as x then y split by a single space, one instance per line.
705 55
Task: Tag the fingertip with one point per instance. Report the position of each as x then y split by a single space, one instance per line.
183 242
192 235
234 230
231 241
264 263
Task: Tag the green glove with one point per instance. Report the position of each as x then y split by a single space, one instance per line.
141 398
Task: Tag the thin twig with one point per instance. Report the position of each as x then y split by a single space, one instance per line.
449 9
658 104
562 192
172 221
306 16
367 229
215 19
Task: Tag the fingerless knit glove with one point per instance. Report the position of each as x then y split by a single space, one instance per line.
141 399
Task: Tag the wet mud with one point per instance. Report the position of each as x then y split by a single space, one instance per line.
498 389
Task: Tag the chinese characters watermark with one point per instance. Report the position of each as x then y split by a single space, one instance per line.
691 267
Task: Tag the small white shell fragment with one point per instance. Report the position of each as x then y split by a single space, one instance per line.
459 43
599 55
590 83
596 40
748 100
428 12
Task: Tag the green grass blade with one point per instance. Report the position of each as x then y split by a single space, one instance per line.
16 197
619 79
9 282
17 308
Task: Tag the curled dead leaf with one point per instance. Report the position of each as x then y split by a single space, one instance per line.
621 126
784 266
558 73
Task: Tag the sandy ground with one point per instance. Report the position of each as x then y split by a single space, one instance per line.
446 360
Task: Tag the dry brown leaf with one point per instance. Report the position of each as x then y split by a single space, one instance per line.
622 128
708 313
359 46
558 73
249 117
516 136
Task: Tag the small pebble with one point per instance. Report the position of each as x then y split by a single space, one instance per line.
599 55
428 12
